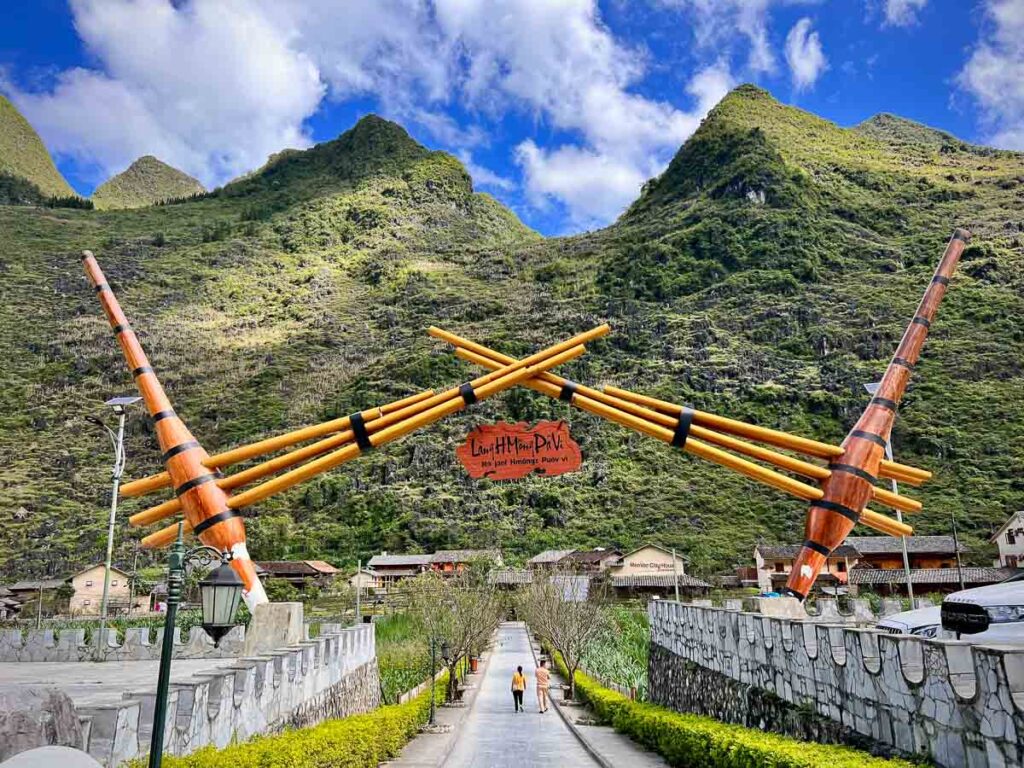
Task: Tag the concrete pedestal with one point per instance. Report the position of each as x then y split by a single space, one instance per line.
274 626
781 607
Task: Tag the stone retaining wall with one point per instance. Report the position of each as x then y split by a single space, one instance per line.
71 645
957 704
334 675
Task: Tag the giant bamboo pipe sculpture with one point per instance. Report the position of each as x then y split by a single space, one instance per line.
666 428
205 504
831 518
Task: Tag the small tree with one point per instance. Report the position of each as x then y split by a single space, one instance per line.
461 611
567 612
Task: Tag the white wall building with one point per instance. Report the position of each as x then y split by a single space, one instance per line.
1010 540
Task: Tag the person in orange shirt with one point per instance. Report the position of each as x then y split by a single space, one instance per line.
543 683
518 688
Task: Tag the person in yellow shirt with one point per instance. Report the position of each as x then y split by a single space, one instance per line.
518 688
543 683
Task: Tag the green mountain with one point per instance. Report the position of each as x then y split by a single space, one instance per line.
27 172
767 274
145 182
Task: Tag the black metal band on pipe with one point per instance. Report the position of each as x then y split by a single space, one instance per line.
683 427
941 279
904 362
358 425
876 439
193 483
220 517
839 509
568 391
816 547
468 395
885 402
141 370
100 287
790 592
187 445
852 470
922 321
161 415
119 329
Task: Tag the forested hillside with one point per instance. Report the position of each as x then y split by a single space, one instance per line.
766 275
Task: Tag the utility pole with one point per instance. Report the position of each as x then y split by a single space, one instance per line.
956 546
872 388
359 590
675 573
135 576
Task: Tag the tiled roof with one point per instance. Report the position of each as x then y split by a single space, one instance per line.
594 555
297 567
550 556
928 575
22 586
658 580
464 555
510 576
790 551
397 560
890 545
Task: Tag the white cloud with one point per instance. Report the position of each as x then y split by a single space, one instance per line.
902 13
717 22
804 55
209 86
214 86
484 177
596 183
994 73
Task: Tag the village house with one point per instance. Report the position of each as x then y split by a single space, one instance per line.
548 559
363 579
391 569
594 560
301 573
453 561
775 561
88 597
1009 539
652 571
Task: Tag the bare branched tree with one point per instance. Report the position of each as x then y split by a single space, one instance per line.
567 612
461 611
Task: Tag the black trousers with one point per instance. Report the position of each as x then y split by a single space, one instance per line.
517 696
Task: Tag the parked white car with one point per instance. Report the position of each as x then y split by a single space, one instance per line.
923 622
992 614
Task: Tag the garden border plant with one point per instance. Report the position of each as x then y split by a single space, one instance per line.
358 741
692 740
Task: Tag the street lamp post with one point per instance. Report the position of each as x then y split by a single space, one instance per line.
120 405
872 388
221 592
433 675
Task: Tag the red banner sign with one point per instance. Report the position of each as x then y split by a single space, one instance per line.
509 451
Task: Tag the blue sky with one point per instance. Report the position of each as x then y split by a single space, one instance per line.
560 108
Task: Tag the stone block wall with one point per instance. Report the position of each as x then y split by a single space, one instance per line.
954 703
334 675
71 645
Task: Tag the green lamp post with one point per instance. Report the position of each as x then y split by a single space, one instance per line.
221 592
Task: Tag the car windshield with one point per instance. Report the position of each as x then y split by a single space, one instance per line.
1015 577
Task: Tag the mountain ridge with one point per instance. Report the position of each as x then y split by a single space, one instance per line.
304 293
146 181
24 156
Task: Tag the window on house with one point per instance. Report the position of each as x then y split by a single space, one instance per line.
87 602
88 583
113 583
841 567
779 567
1010 538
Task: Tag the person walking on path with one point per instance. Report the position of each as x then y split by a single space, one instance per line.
543 683
518 688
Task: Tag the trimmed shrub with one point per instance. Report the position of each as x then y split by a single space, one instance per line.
692 740
359 741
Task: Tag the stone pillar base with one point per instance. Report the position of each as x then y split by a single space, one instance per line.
274 625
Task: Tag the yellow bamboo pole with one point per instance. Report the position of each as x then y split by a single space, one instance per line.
456 403
162 479
884 524
693 445
551 385
889 469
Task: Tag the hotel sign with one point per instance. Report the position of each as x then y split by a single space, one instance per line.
505 451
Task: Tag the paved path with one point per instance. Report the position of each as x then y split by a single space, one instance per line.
493 735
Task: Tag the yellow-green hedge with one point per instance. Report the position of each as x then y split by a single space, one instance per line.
359 741
693 740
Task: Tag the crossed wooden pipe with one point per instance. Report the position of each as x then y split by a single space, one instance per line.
352 436
693 431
